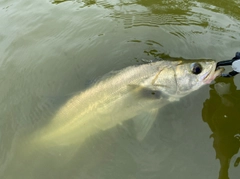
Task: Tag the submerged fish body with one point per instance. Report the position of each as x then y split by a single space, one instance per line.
136 92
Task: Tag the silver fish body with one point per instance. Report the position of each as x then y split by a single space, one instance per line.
134 92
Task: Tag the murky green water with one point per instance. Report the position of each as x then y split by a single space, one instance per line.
53 49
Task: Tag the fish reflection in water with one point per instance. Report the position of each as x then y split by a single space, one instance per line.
221 112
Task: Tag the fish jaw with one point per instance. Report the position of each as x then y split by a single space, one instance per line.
213 74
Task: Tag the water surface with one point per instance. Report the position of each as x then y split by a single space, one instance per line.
51 50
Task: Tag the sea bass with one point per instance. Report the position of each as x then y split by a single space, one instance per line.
136 92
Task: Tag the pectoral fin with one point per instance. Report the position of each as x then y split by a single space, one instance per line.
146 92
144 122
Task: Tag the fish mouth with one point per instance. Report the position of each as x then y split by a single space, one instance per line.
213 74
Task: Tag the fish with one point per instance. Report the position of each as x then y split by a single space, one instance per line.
134 93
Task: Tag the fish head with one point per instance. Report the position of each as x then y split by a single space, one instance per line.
191 75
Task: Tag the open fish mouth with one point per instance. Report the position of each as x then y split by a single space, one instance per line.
213 74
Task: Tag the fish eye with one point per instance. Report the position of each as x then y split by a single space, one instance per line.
196 68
